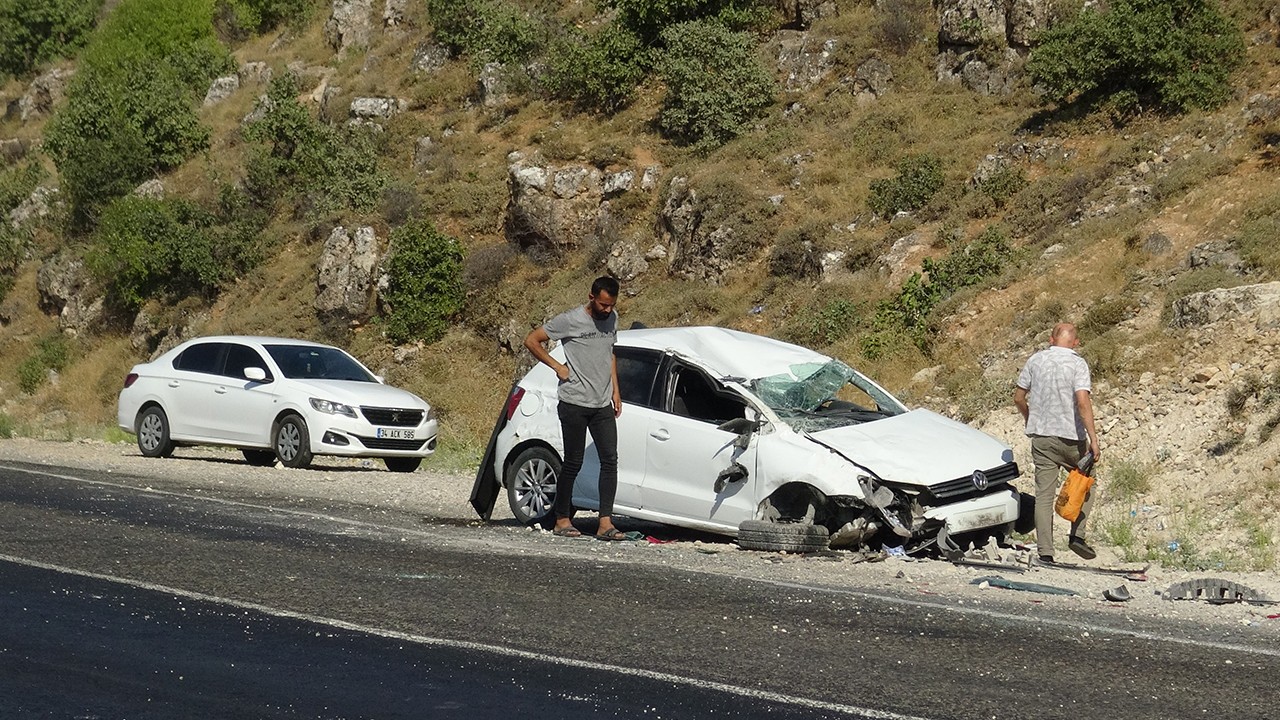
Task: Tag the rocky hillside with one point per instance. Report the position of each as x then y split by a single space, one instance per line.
920 190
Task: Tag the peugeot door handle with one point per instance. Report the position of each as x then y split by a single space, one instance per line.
660 434
221 390
174 383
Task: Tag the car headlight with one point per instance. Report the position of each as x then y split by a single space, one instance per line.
330 407
431 413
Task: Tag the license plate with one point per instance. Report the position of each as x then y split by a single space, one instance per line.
396 433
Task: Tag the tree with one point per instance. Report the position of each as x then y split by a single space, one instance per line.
715 84
425 289
37 31
1175 54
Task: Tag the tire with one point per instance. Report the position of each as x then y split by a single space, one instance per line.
402 464
292 442
259 458
153 433
531 486
793 537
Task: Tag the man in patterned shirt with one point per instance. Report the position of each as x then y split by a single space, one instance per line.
1053 395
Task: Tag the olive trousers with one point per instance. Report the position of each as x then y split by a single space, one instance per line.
1052 455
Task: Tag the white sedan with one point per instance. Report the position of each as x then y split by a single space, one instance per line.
275 399
775 444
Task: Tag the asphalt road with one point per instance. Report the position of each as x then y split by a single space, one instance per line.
118 601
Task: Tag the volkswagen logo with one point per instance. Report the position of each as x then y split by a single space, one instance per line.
979 479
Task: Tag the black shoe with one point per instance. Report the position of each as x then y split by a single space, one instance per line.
1081 548
1047 559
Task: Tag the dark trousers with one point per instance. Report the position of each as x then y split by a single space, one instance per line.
575 421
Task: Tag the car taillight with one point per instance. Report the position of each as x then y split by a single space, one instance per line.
513 401
130 379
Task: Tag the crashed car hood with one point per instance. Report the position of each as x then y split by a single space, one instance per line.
919 447
356 393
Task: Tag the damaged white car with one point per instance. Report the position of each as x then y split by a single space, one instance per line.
777 445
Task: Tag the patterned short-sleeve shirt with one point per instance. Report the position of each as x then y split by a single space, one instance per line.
1051 378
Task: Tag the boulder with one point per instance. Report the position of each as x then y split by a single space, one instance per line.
62 283
429 58
696 251
1216 254
896 265
493 86
424 155
261 107
1025 19
649 180
254 72
349 25
13 150
45 91
152 188
221 88
345 274
803 61
617 183
36 207
394 13
967 66
873 78
376 108
967 22
626 261
1260 302
558 207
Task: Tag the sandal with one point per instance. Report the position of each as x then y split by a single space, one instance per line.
612 534
569 532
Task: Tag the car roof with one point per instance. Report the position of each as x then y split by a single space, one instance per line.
730 353
258 339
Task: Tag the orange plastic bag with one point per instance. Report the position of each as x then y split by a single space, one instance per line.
1071 496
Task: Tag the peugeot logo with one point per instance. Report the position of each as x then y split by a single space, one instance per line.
979 479
395 418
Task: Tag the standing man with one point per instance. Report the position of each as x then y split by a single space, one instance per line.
1053 395
589 398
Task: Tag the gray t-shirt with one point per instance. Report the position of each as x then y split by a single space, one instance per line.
588 348
1051 378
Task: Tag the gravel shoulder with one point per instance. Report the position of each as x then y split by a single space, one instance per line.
436 503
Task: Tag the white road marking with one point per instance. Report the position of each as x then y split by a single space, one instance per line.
889 599
504 651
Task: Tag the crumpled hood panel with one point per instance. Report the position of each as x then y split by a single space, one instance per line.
919 447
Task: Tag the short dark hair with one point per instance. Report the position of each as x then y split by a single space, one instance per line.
607 284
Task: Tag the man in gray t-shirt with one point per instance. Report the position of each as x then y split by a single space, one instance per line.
1054 396
589 399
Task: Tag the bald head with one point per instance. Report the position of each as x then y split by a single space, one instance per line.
1064 335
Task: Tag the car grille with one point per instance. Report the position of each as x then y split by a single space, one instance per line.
392 417
962 488
388 444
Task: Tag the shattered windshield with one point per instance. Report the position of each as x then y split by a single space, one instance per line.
820 396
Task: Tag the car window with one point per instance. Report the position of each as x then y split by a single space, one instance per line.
317 362
201 358
814 396
240 357
637 370
694 395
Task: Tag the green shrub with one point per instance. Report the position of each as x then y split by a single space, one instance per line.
425 289
828 324
1003 184
597 73
648 19
715 84
1257 240
319 168
912 307
146 248
485 30
17 183
33 32
795 255
1103 315
52 352
7 427
130 112
1175 54
899 24
242 17
919 178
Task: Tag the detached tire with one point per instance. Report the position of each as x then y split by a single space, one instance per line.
793 537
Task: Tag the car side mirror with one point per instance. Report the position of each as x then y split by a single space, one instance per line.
256 374
739 426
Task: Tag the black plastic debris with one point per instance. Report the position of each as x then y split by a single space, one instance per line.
1117 594
999 582
1215 591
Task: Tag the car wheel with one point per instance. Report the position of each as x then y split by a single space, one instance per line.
153 433
794 537
259 458
402 464
292 442
531 486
